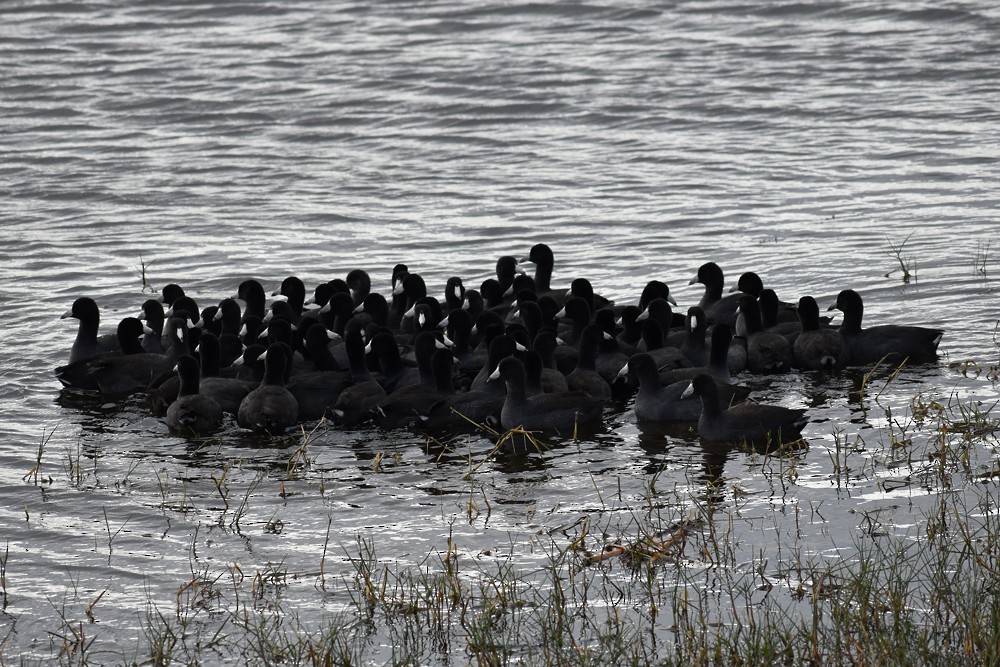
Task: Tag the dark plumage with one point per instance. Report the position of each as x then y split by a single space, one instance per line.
659 310
501 346
585 377
118 374
541 256
654 401
357 402
559 413
653 343
170 293
719 309
270 408
818 348
749 423
655 289
360 285
87 343
454 294
374 308
666 402
718 360
152 316
192 413
694 345
254 298
317 392
766 352
895 341
226 389
229 316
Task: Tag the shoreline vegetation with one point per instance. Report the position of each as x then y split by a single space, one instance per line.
667 577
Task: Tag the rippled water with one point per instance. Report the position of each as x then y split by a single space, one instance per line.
215 141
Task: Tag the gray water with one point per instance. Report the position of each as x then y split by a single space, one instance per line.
215 141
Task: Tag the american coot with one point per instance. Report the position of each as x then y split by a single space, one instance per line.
750 423
585 377
718 360
414 397
579 314
294 291
192 413
545 345
665 402
317 344
630 334
321 296
659 310
229 316
500 347
87 343
152 316
316 392
867 346
581 287
541 380
356 402
185 307
655 289
337 312
653 344
459 334
270 408
228 391
751 283
773 321
118 374
360 285
766 352
411 288
374 308
385 350
506 270
254 298
462 411
528 313
454 294
694 345
610 355
541 256
170 293
248 366
656 402
719 309
775 313
553 413
818 348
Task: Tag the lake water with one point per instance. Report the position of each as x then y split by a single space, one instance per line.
215 141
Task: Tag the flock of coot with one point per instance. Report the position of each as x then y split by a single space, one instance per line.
516 353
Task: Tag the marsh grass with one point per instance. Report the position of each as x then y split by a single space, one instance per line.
674 596
982 257
713 573
142 268
896 252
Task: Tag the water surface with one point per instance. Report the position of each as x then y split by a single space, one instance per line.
218 141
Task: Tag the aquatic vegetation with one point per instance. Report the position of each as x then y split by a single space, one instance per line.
896 252
754 566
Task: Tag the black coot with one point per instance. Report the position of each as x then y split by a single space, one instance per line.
750 423
270 408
